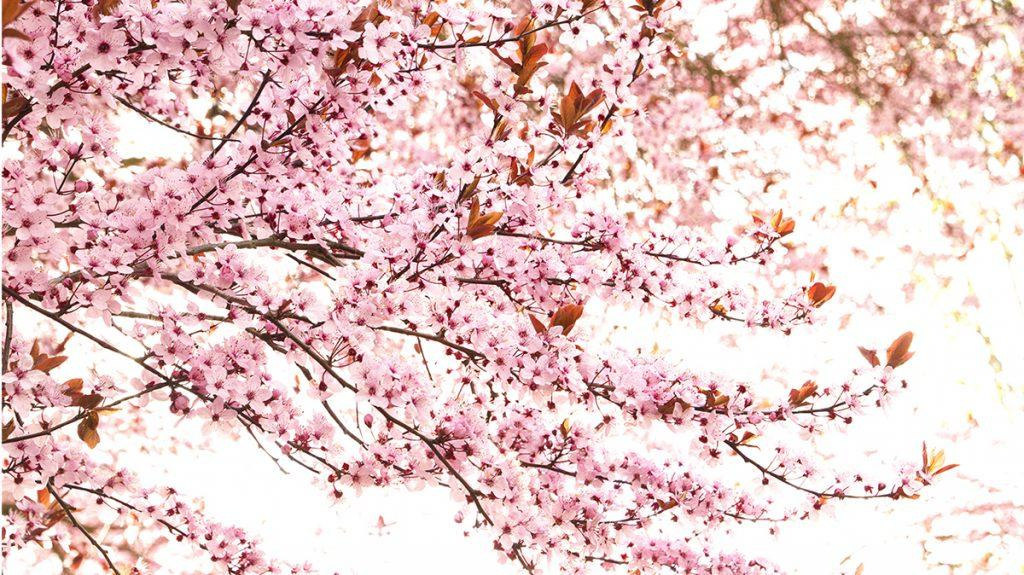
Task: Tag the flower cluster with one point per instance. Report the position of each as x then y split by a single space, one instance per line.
396 237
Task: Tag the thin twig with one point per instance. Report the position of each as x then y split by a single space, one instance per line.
244 116
8 332
152 118
80 527
82 415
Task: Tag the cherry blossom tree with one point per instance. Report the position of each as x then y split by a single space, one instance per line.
407 238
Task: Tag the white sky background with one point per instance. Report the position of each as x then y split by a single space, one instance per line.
952 381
